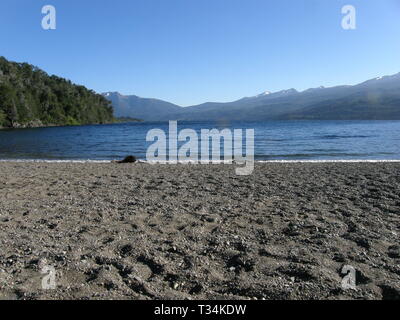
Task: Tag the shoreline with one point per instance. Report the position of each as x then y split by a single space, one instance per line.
137 231
36 124
222 162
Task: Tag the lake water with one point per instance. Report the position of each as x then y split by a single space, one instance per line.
280 140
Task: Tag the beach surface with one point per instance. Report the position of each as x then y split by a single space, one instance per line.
140 231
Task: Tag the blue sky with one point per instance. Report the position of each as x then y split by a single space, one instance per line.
193 51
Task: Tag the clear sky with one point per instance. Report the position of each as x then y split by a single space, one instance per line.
193 51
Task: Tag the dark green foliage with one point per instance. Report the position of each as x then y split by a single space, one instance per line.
29 95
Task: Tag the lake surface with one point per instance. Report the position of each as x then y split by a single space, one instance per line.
279 140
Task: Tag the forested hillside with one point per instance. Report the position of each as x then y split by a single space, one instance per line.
29 97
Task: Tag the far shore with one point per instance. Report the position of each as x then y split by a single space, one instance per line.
38 124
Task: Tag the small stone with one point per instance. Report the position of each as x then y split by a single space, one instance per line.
394 251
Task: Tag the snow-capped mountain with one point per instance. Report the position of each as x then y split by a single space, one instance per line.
378 98
266 93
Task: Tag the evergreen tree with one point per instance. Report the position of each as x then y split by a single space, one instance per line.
29 94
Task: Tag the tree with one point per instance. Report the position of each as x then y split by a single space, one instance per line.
7 103
29 94
2 118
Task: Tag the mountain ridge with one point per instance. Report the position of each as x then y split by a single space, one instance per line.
366 99
136 107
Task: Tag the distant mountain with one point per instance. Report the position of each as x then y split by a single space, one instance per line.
140 108
378 98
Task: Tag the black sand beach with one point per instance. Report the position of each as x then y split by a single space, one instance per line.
139 231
